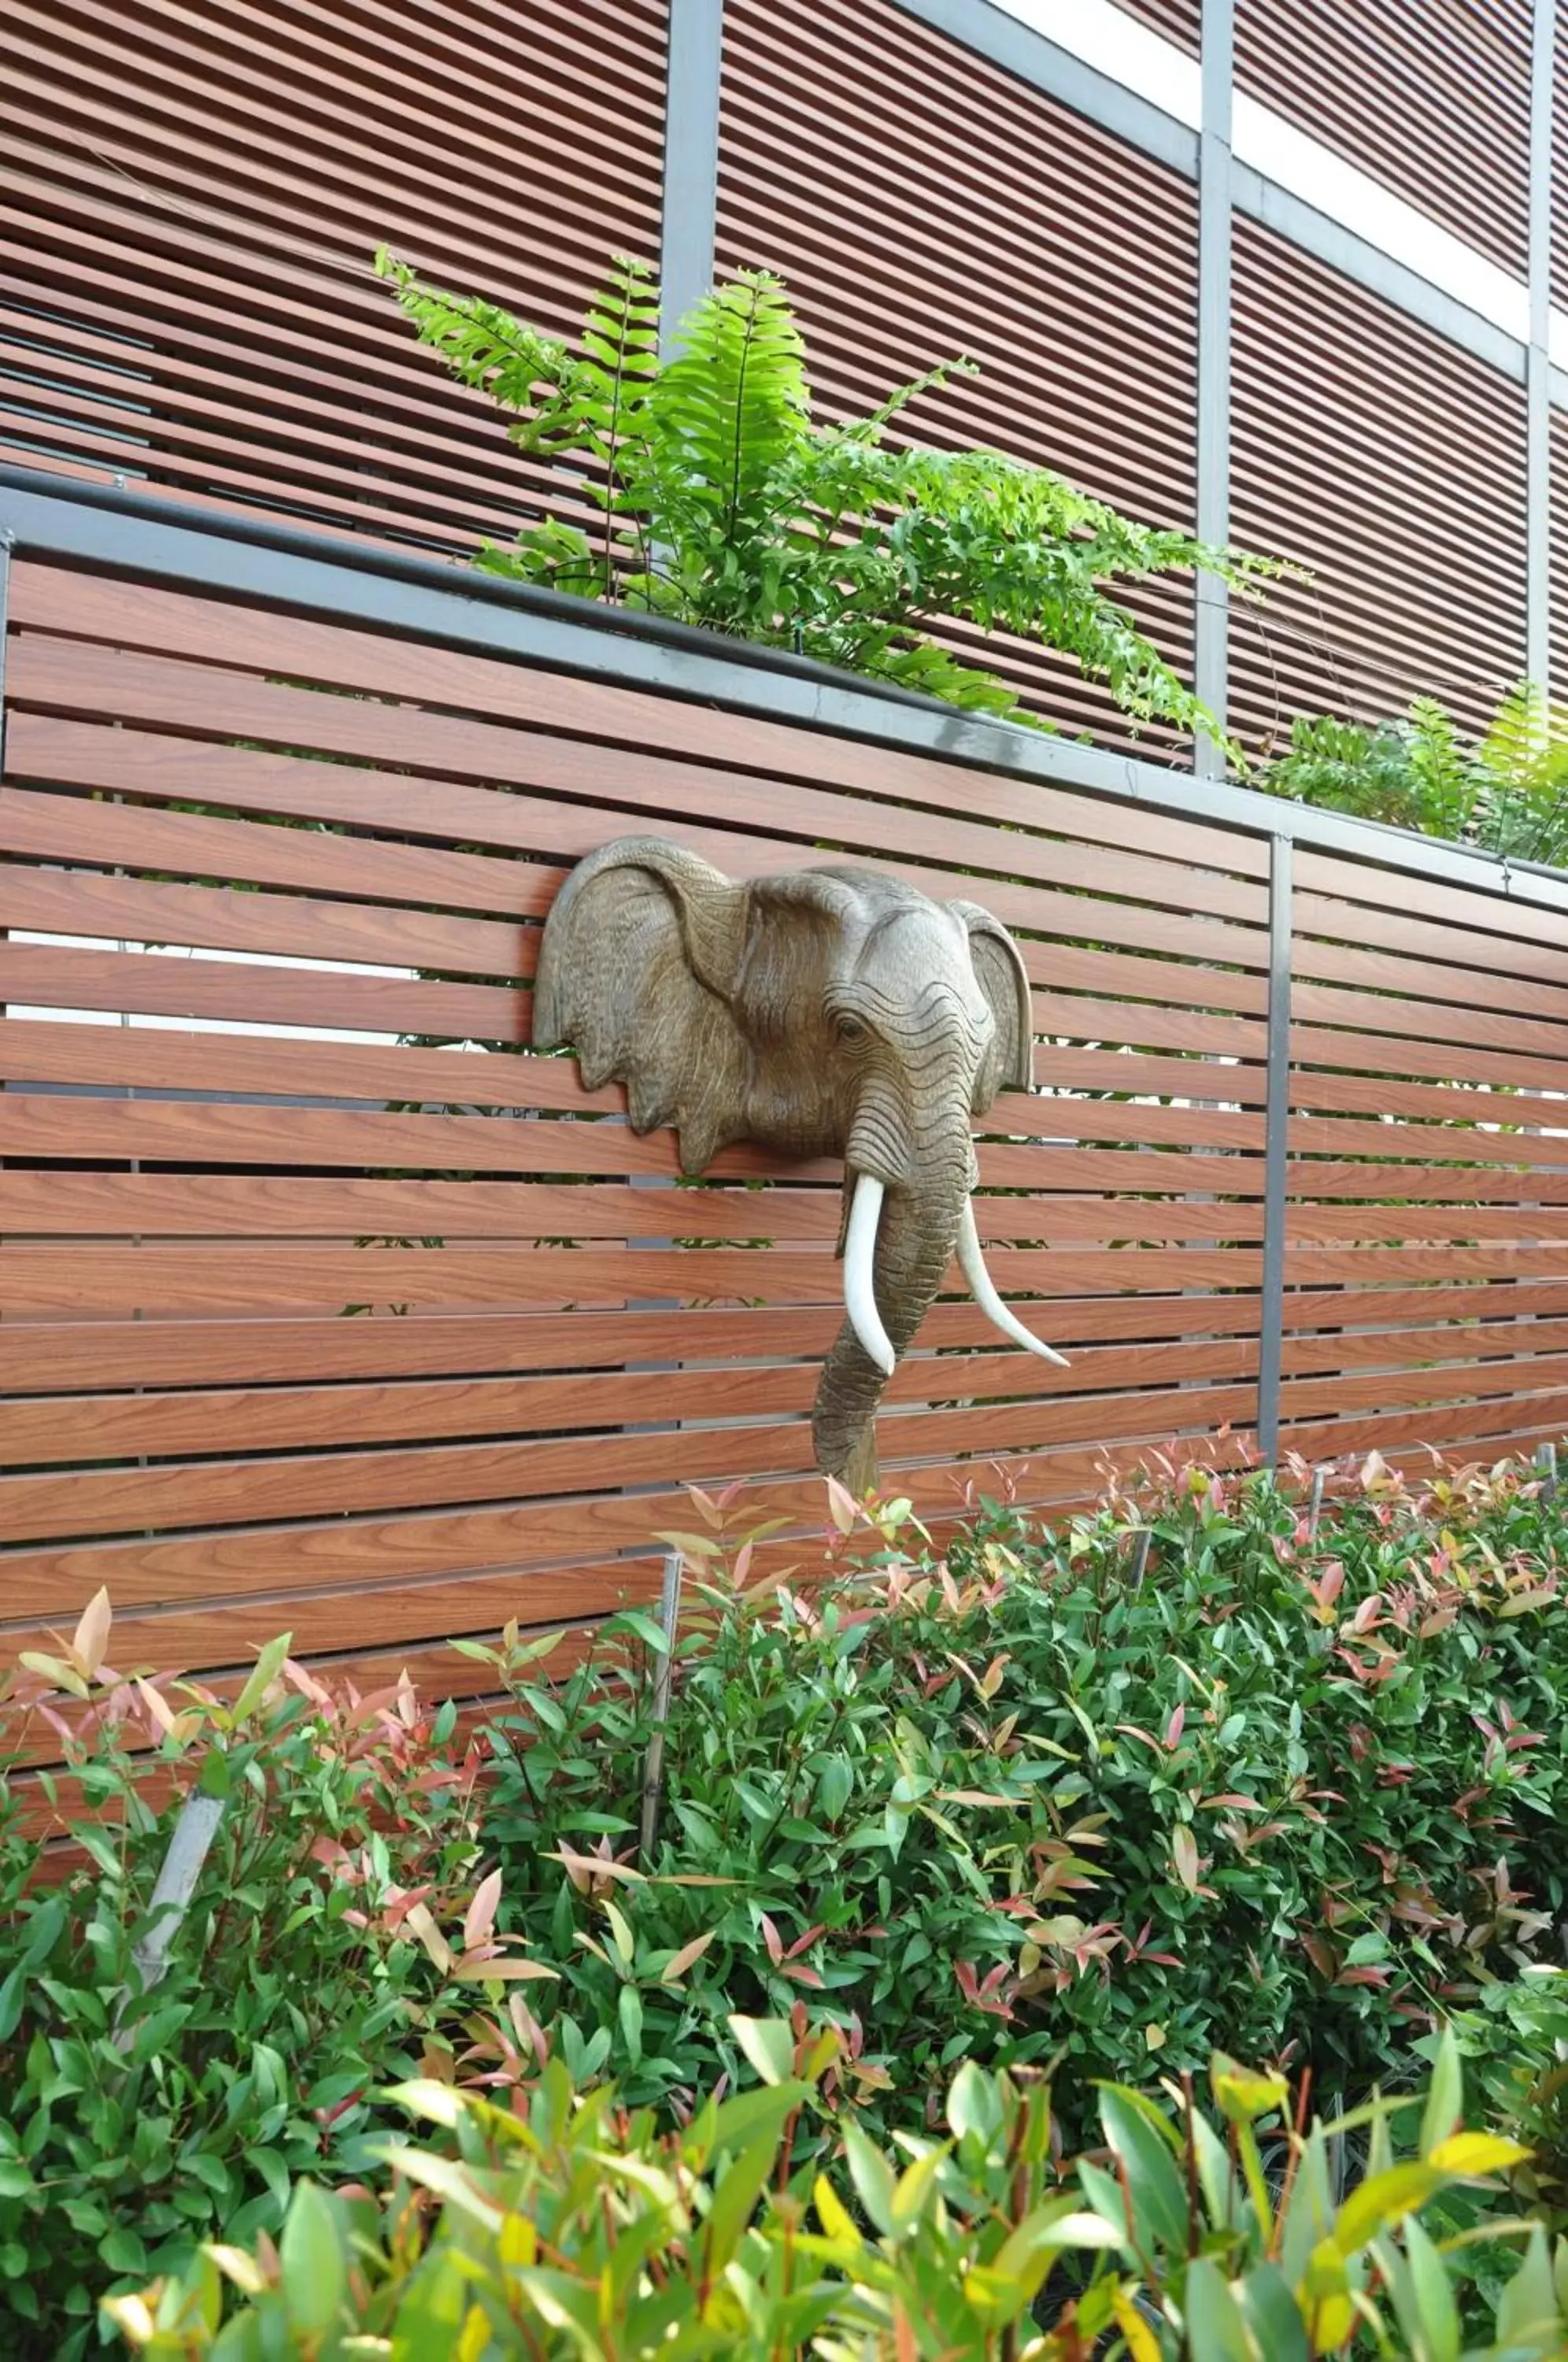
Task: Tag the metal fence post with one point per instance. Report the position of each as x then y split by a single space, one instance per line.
1276 1136
690 159
1538 376
1212 653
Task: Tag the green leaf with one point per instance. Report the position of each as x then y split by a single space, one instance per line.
315 2273
1159 2200
768 2043
974 2104
1445 2095
1382 2200
872 2177
1215 2327
1529 2304
263 1674
1431 2297
1272 2315
736 2195
630 2009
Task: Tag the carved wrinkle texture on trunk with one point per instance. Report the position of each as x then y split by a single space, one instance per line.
832 1012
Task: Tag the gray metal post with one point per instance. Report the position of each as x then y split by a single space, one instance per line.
1537 378
690 157
1214 218
1276 1144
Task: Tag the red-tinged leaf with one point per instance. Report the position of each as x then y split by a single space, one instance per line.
1321 1955
1364 1976
1183 1856
1174 1727
975 1796
803 1942
1228 1796
968 1983
772 1938
1131 1730
480 1918
704 1505
841 1506
801 1975
92 1635
688 1957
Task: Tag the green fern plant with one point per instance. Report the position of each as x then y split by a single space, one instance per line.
723 503
1506 793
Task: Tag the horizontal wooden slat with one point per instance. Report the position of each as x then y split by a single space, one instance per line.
92 1277
158 984
72 677
174 624
57 1427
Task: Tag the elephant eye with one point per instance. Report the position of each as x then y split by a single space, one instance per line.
850 1029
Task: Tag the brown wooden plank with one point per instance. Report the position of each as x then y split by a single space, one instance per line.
183 1131
140 911
74 677
167 1204
174 623
52 1429
210 1205
1467 1184
104 1501
91 1276
39 1051
1117 1071
1361 1094
1147 1025
1527 1225
1373 1054
1487 1427
57 1582
1308 1266
1482 1383
158 984
1428 1020
1476 1342
80 827
77 1355
1351 883
1349 1308
1329 929
553 827
1441 977
1460 1142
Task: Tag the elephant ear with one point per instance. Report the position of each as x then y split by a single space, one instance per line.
1002 978
640 953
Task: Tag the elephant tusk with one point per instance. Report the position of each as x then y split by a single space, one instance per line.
983 1288
859 1289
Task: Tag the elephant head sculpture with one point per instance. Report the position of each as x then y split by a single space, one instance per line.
828 1012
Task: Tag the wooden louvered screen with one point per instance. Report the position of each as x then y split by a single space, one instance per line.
189 201
1427 1284
1560 168
1393 464
1178 20
1559 555
326 1326
1432 97
921 204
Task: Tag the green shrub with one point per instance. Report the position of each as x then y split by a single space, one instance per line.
727 505
1505 792
1301 1798
140 2119
575 2229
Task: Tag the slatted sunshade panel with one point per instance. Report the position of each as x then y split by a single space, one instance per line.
1431 97
313 1318
921 204
189 202
1393 466
1179 20
1427 1263
1559 555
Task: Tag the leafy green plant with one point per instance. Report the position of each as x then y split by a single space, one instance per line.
1299 1795
576 2229
337 1920
1505 792
724 502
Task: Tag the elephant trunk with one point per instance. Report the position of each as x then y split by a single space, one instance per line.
898 1245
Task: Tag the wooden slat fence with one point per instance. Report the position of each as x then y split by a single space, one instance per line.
325 1303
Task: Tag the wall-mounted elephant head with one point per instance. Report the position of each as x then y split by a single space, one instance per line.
830 1012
